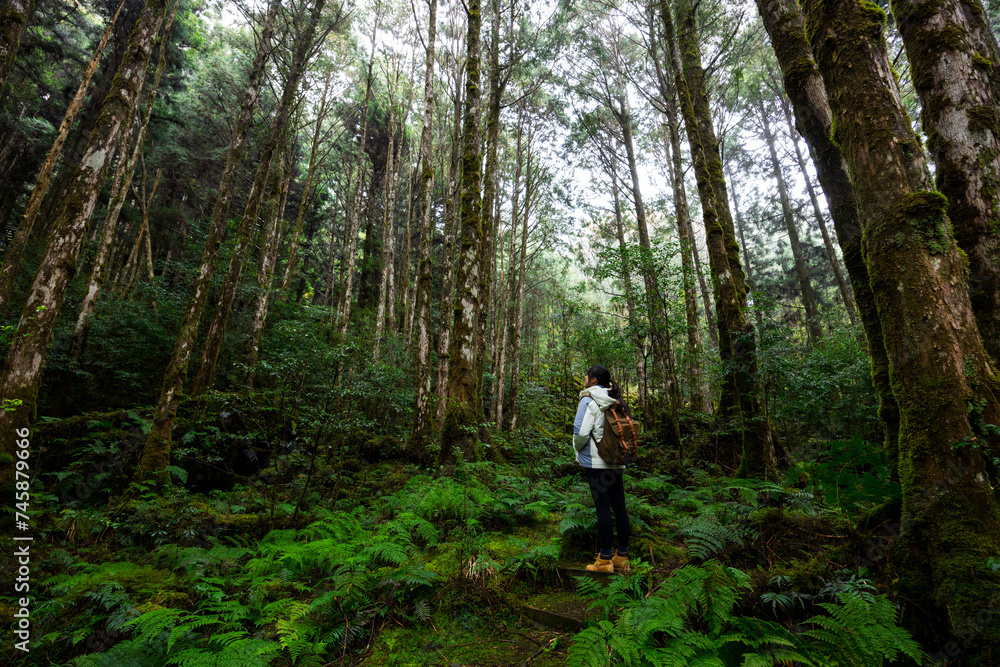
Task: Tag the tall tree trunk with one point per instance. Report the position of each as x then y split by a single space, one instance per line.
657 318
516 321
634 326
119 192
845 292
740 229
954 75
354 219
23 365
158 439
801 269
737 344
388 235
497 84
307 189
699 396
463 414
273 215
12 19
269 159
452 213
785 25
501 368
940 372
424 413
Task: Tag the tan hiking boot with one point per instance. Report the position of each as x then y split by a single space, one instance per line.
602 565
620 563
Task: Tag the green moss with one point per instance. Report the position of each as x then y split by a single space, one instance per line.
6 459
984 117
981 61
924 212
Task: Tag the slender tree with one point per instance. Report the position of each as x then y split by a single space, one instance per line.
12 257
156 454
801 268
424 413
737 344
463 414
23 365
940 373
353 223
119 192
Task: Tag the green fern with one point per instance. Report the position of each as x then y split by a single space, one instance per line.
689 620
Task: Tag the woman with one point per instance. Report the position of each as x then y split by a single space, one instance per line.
605 479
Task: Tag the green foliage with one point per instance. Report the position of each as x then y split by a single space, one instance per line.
849 474
689 619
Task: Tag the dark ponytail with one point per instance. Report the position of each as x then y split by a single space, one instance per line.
603 377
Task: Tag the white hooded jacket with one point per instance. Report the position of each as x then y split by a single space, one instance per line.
590 421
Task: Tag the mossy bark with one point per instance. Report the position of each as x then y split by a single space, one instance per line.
13 18
498 79
939 371
955 81
25 360
452 213
698 396
119 192
424 412
785 25
737 344
464 412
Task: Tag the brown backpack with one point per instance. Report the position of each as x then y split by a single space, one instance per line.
619 444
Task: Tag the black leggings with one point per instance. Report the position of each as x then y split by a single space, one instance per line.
609 494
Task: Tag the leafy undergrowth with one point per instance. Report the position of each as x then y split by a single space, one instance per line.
331 555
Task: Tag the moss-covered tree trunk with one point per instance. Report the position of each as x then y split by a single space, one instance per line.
737 344
698 396
939 371
10 23
424 413
838 275
452 213
955 77
119 192
463 413
801 268
13 19
785 24
22 370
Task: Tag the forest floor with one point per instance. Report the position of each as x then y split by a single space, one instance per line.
270 549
